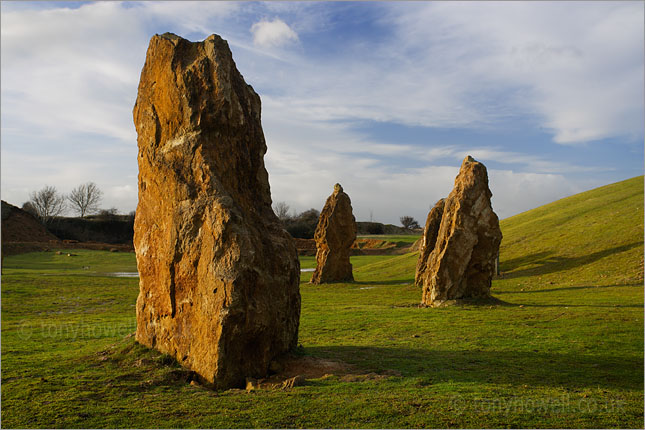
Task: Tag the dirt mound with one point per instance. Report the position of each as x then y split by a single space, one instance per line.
22 232
297 370
13 248
305 246
312 367
21 226
361 246
416 245
373 244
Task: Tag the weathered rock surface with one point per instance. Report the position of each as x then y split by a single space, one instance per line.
219 277
462 263
428 240
335 234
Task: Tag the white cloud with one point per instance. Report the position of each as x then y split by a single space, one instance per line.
306 157
304 178
575 69
69 83
526 163
515 192
186 17
270 34
124 197
77 70
55 82
577 66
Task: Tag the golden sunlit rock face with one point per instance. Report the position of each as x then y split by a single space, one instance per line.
335 234
461 263
219 277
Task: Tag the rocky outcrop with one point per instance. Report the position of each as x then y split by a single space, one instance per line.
462 263
428 240
219 277
335 234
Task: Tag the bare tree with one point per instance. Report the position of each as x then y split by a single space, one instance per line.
409 223
47 202
282 211
85 198
109 213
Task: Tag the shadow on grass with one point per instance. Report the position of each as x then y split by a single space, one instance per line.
547 263
514 263
572 288
138 369
582 306
571 370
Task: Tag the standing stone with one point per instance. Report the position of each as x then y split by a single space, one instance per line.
335 234
219 277
430 233
462 263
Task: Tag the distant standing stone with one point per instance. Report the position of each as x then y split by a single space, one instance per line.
462 262
335 234
428 240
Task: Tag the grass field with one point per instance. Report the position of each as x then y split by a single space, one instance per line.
564 350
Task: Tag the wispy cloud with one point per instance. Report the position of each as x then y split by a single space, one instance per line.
574 69
272 33
574 65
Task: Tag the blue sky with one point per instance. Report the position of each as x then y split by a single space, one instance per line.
386 98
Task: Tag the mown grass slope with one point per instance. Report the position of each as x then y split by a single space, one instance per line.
565 350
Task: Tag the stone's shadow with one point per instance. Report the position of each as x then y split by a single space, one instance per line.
546 263
514 263
483 301
565 305
532 368
580 306
425 366
470 302
573 288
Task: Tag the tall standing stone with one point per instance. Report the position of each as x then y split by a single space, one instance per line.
428 240
219 277
462 263
335 234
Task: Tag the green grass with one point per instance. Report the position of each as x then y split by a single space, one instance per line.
564 350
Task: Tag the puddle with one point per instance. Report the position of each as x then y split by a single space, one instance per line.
123 274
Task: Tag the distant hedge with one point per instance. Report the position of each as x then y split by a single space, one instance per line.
117 229
366 227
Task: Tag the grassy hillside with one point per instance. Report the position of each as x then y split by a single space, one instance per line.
566 349
595 237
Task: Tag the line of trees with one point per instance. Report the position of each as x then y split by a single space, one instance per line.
303 225
83 200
